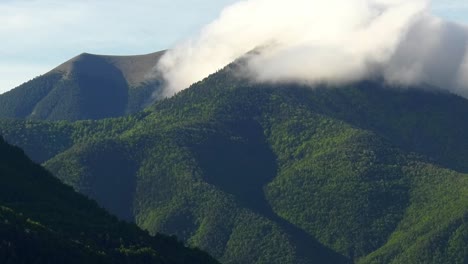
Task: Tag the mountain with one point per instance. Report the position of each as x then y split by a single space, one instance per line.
45 221
86 87
278 173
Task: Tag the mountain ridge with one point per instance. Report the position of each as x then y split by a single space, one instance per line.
136 69
87 86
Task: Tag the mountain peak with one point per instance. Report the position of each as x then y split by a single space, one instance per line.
136 69
88 86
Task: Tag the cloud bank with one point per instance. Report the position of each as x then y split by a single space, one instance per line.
332 41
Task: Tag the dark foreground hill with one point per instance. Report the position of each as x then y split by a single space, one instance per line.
45 221
278 174
86 87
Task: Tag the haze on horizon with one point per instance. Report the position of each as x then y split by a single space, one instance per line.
40 35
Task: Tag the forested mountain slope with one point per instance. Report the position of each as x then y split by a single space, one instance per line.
86 87
278 173
45 221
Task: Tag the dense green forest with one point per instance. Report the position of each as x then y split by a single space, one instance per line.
45 221
278 173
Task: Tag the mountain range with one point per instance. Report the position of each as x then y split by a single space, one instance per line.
266 173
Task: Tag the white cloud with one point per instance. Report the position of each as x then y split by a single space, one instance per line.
333 41
313 40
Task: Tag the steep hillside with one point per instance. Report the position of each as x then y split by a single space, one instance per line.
44 221
278 173
86 87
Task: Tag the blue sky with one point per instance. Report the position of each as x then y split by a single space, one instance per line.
37 35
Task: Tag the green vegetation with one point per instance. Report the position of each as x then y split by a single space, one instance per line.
20 102
45 221
278 173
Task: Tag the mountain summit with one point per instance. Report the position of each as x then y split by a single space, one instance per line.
86 87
